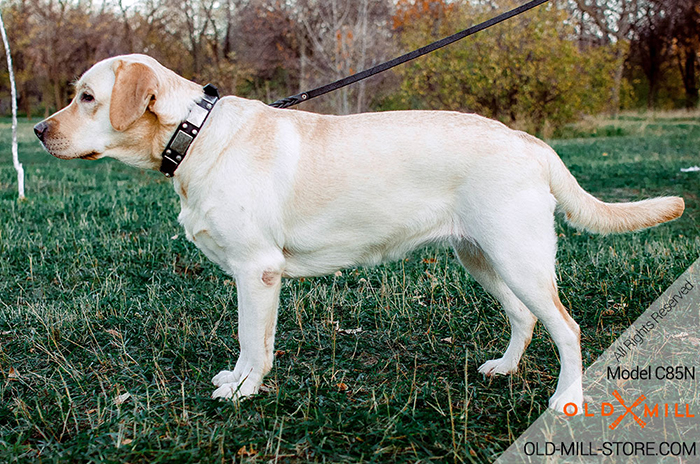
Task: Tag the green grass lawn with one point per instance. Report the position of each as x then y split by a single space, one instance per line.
101 295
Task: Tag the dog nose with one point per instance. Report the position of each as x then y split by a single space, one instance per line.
40 130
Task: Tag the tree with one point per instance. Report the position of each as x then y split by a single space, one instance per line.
650 48
66 38
614 21
685 45
342 37
196 19
665 47
527 72
265 48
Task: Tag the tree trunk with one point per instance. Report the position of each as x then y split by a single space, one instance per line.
128 33
302 66
57 95
620 55
652 69
653 92
27 103
363 55
689 78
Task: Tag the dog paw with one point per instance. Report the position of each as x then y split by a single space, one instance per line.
568 406
571 405
568 398
500 366
235 390
224 377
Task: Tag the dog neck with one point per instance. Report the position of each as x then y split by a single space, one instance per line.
176 149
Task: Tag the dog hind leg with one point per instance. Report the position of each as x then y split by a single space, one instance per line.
539 293
522 321
517 238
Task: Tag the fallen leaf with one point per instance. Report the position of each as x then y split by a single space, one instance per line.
13 374
342 387
243 451
127 441
447 340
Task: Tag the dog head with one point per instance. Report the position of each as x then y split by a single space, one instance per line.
125 107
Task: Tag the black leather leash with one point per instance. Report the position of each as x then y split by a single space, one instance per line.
306 96
186 132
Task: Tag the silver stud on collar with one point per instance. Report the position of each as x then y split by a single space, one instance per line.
177 147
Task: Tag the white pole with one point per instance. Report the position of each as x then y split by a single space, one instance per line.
13 89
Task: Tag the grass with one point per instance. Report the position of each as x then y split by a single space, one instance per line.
678 122
101 295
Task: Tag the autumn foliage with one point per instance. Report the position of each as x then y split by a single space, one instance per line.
409 12
536 72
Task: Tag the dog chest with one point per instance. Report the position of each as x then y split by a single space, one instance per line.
200 231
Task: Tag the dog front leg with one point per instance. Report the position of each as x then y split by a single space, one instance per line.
258 299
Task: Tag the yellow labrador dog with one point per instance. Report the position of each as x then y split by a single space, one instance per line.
269 193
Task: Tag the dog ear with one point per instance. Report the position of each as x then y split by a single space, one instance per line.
135 84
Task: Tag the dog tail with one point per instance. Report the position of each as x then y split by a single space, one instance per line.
585 211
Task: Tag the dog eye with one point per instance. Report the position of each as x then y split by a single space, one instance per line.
86 97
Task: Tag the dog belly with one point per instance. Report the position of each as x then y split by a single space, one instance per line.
323 248
324 262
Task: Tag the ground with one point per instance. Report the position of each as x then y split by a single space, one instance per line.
112 324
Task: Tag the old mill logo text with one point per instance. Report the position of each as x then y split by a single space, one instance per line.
607 409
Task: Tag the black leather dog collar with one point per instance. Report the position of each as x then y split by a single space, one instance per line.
186 132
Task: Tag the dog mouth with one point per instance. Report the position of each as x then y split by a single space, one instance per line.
62 151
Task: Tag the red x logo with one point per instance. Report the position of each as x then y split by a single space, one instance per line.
628 410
